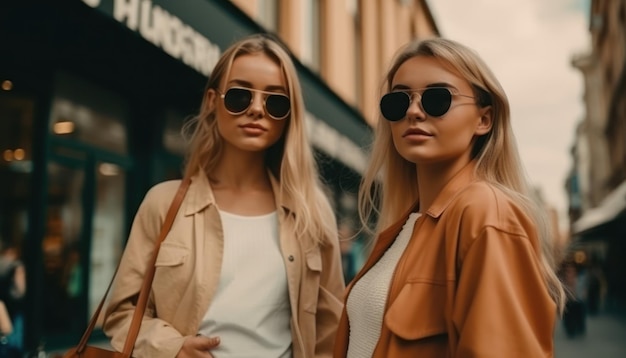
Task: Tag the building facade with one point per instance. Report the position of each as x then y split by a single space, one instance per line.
349 43
92 97
597 182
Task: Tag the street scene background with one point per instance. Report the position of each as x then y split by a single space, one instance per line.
93 95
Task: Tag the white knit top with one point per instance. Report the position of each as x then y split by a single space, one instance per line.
250 311
368 297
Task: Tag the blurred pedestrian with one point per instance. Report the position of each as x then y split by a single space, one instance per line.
462 265
595 286
12 294
251 267
574 317
6 327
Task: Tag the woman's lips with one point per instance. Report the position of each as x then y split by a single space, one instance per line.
253 129
416 132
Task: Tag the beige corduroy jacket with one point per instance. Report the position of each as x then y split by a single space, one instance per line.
188 271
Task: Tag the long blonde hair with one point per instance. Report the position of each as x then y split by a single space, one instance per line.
290 160
496 154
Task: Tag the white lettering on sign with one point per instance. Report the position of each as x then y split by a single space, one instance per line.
92 3
127 10
330 141
166 31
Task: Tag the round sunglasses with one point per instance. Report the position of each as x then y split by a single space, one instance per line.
238 99
435 102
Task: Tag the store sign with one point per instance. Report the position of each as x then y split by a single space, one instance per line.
183 37
164 30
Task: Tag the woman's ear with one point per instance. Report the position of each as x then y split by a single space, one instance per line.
486 121
210 99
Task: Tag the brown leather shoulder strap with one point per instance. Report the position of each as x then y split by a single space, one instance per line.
147 280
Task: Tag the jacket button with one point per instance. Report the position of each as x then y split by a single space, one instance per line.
290 258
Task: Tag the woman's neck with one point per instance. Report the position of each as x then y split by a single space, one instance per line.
240 171
241 185
432 178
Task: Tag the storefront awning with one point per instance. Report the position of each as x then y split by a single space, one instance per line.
196 31
608 210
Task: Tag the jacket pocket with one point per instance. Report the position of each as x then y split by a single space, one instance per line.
171 255
311 284
418 311
169 266
170 277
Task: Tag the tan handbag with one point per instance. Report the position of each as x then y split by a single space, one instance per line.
85 351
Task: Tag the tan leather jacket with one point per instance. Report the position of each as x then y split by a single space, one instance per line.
469 283
188 271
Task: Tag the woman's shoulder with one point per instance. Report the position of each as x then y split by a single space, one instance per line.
165 188
159 196
485 204
485 195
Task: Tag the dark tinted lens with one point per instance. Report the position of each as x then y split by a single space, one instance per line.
237 100
277 106
393 105
436 101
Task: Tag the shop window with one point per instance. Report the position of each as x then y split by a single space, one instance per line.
89 114
16 126
63 274
108 234
84 210
173 141
168 163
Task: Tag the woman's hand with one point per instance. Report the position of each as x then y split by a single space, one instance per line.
198 347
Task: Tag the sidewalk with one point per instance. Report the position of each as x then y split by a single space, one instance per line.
605 338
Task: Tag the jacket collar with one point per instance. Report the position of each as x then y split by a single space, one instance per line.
456 184
200 194
283 200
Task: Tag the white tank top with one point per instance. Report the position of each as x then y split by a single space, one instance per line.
250 311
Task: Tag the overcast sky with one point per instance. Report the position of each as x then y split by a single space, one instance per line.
529 45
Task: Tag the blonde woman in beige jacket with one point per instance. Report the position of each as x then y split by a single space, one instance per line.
251 266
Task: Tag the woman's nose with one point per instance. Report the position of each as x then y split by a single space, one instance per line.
256 108
415 110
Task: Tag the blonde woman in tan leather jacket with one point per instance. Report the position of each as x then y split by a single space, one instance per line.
462 265
251 266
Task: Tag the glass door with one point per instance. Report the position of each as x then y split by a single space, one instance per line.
85 235
61 246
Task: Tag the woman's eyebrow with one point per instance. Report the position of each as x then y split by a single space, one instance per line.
270 88
276 88
240 83
430 85
400 87
439 84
